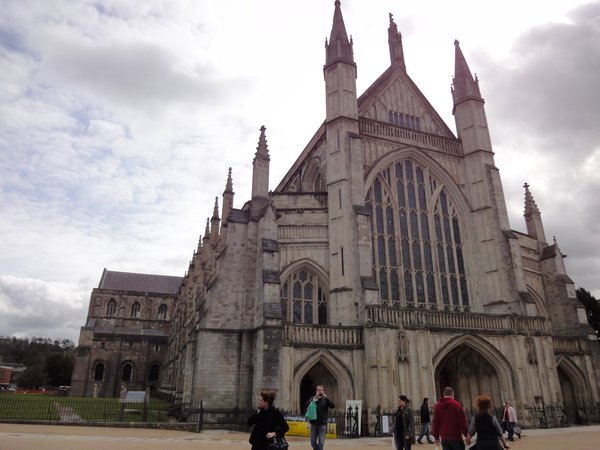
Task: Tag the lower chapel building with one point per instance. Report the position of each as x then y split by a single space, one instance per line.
382 263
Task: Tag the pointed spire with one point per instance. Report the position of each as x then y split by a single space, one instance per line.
216 209
262 151
229 184
207 229
227 200
339 47
530 205
260 167
214 222
395 44
533 217
464 86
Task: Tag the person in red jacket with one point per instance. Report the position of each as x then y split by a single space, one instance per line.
449 422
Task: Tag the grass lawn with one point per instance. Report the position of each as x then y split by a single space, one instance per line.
83 409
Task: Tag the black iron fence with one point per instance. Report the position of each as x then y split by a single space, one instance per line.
350 423
344 424
58 409
542 416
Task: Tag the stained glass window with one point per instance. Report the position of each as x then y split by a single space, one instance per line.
417 248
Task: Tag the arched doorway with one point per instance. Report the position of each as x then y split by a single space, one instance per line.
470 374
568 394
318 375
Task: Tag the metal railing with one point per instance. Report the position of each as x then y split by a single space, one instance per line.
194 416
544 416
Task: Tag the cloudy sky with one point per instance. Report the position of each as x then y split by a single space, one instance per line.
119 120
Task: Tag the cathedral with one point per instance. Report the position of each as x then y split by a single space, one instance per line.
382 263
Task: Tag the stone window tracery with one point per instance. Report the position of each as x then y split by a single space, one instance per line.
417 248
303 298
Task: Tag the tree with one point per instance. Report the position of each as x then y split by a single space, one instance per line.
32 377
58 367
592 309
48 361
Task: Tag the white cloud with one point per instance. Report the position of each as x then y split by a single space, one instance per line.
120 119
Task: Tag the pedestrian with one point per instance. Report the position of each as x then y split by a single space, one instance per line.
425 422
318 426
449 422
509 420
487 428
404 428
267 420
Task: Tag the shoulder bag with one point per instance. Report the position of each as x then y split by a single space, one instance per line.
311 411
278 443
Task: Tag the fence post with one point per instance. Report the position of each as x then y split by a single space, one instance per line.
378 431
200 417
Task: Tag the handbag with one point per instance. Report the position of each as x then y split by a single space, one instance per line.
278 443
311 411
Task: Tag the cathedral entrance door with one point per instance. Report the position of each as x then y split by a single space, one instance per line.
319 375
569 396
470 374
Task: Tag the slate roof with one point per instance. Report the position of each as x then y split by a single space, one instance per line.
139 282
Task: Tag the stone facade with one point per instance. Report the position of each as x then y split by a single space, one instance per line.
123 343
382 263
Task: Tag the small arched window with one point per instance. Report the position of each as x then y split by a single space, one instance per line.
162 311
135 310
111 307
154 372
127 372
99 372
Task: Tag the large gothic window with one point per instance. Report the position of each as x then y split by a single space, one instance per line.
303 298
417 247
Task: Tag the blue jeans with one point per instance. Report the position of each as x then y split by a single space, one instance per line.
425 432
317 435
511 430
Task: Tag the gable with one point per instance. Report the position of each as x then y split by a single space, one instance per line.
305 173
394 98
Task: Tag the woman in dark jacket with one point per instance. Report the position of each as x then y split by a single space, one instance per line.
404 427
486 426
267 420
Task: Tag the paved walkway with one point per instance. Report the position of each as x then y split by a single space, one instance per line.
49 437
